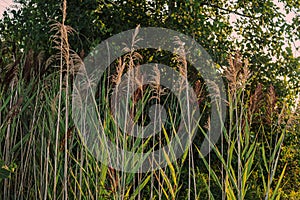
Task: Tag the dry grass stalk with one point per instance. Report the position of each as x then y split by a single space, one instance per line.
255 102
181 57
9 64
231 74
237 73
64 56
244 75
198 88
215 93
11 76
14 110
119 72
155 84
271 111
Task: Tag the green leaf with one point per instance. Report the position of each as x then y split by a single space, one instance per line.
279 182
140 187
4 173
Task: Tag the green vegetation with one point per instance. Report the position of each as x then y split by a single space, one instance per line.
42 154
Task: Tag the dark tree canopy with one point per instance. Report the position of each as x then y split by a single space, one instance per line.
265 37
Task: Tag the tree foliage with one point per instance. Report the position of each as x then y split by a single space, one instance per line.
264 35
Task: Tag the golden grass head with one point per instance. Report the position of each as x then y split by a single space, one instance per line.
237 73
271 100
256 100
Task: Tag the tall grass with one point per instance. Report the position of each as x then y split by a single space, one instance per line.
44 155
249 134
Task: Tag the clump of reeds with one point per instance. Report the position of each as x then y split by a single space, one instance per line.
49 160
243 137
